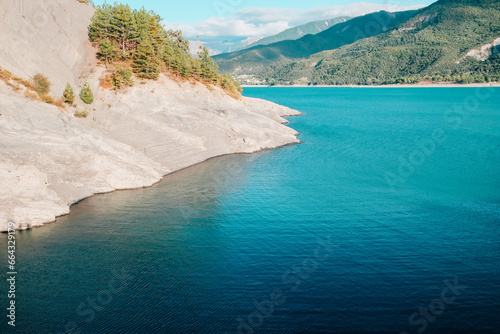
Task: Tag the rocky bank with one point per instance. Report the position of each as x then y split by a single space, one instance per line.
49 159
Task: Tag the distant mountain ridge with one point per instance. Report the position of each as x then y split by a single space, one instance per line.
311 28
254 60
450 40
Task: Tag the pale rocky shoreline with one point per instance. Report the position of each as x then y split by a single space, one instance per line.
49 159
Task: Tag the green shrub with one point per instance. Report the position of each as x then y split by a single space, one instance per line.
69 95
86 94
122 77
229 84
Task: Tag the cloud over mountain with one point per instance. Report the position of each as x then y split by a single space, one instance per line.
269 21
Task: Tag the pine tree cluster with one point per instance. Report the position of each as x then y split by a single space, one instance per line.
137 37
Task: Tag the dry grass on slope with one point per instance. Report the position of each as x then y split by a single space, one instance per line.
38 89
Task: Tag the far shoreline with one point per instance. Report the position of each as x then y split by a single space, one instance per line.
436 85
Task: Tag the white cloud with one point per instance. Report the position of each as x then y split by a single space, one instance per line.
252 22
217 46
218 26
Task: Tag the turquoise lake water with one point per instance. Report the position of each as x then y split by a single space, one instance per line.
385 220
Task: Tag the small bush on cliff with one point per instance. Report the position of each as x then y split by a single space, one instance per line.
41 84
38 88
86 94
122 77
228 83
69 95
5 75
81 114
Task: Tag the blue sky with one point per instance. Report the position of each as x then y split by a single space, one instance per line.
258 18
193 11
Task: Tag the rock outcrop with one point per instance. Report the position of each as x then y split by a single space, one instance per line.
49 159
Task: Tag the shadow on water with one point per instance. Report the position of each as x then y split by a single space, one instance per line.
178 199
167 239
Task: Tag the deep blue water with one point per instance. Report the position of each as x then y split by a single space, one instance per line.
390 207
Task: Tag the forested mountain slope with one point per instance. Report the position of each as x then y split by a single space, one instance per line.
254 60
451 40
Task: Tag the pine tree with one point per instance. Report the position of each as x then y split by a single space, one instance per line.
156 33
107 51
196 65
145 44
124 26
142 19
86 94
205 62
187 68
176 61
101 24
69 95
168 55
209 69
178 40
146 64
226 81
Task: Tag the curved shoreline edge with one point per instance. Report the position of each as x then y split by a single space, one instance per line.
52 160
157 182
52 157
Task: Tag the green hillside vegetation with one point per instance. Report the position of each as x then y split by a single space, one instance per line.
254 60
311 28
137 40
432 46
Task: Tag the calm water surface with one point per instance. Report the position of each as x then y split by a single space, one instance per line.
392 193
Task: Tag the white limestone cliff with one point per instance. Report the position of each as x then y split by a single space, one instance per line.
50 159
